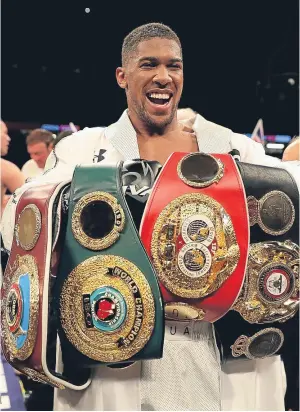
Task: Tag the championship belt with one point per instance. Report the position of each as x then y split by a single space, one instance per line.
195 229
270 294
107 294
28 331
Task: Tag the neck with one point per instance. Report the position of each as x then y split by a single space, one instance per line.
145 131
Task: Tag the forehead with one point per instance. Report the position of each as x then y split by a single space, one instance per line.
159 48
36 146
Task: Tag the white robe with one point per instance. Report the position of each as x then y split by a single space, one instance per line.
189 376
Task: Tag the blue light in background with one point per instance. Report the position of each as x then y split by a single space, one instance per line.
278 138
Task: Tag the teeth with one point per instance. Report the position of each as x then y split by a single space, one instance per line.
159 96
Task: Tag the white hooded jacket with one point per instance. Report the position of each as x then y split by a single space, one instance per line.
188 377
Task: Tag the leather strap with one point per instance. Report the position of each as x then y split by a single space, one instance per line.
26 289
106 282
226 194
273 257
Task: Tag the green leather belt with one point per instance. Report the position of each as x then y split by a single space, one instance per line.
107 295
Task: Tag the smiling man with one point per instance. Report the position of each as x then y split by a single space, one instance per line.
152 76
189 374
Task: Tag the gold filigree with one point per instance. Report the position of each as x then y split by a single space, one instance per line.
28 227
271 285
112 236
87 277
41 377
22 265
169 257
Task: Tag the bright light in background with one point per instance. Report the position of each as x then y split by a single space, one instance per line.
87 10
278 146
291 81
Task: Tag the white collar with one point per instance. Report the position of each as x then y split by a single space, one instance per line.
211 138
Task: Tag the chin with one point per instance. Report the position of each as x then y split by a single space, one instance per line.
160 119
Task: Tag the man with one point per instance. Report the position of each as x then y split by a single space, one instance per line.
39 144
11 176
292 152
188 376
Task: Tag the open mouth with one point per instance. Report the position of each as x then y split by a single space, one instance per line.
160 99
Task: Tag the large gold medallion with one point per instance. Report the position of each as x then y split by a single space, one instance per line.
97 220
271 289
194 247
19 308
28 227
107 308
274 212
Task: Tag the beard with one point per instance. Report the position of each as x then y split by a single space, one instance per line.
157 124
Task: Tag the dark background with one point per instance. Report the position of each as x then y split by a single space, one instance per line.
58 62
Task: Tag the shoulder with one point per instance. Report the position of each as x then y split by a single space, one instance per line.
78 147
11 175
8 167
87 136
250 151
30 164
84 139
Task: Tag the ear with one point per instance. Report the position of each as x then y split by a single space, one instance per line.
50 147
121 77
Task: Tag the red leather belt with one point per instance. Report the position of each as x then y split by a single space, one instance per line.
26 285
195 229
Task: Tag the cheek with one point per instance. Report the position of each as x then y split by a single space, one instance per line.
179 82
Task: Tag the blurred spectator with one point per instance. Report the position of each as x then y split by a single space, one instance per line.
39 144
11 176
61 135
292 152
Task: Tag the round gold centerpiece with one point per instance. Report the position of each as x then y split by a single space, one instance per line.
28 227
19 337
107 308
97 220
193 246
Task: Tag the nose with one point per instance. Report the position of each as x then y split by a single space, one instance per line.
34 157
8 138
162 76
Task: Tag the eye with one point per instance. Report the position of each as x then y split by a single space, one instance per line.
148 64
175 66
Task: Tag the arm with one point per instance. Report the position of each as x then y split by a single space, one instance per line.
11 176
70 151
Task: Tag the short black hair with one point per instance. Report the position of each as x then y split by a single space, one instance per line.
146 32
